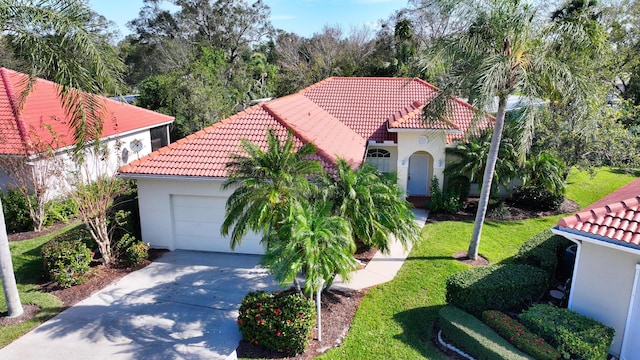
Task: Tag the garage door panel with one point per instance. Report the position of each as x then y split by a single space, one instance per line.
197 229
196 225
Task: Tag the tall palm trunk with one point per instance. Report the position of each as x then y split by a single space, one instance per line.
14 307
489 169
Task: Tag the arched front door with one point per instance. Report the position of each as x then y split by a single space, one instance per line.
418 180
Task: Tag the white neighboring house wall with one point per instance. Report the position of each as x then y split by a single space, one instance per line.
119 153
603 279
163 227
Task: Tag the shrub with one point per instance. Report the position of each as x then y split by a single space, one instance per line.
136 251
495 287
60 210
576 336
474 337
278 321
16 211
67 258
518 335
536 198
459 185
497 209
451 200
125 213
543 251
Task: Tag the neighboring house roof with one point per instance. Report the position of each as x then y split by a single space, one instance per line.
43 109
615 218
338 115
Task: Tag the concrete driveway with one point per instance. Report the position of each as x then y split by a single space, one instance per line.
183 305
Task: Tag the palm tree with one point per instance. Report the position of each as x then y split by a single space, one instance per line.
372 204
471 158
503 50
53 38
266 183
545 171
312 241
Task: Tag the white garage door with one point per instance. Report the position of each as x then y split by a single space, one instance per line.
196 225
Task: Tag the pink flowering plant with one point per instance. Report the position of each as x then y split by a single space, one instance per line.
518 335
281 321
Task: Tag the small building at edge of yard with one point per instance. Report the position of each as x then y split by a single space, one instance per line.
606 276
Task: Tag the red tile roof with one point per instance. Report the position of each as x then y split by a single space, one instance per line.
43 107
337 115
615 217
207 152
313 124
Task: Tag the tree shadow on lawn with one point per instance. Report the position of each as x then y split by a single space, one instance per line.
418 325
29 267
192 315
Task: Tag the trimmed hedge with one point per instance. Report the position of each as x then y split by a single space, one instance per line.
518 335
477 339
543 251
574 335
495 287
277 321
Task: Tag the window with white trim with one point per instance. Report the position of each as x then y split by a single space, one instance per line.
380 158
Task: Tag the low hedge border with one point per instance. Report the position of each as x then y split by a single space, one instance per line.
518 335
575 335
474 337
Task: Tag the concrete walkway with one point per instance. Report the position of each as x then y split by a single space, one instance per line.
182 306
383 267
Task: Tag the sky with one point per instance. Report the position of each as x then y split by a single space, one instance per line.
303 17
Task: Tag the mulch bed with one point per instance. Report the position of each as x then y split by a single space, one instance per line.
32 234
29 312
338 310
515 213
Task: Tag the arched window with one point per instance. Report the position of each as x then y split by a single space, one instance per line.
379 158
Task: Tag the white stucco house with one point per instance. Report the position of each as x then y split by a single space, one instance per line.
40 122
378 120
606 277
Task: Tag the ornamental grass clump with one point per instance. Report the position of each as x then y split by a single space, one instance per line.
280 321
518 335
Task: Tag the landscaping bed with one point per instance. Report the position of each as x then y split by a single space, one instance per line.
514 212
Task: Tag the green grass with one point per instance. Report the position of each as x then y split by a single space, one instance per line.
395 320
29 270
585 188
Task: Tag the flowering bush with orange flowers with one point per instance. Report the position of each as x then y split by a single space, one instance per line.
281 321
518 335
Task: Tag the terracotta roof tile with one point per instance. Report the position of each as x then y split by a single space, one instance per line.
618 219
207 152
313 124
338 115
44 106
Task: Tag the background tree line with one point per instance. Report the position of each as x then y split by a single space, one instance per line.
211 58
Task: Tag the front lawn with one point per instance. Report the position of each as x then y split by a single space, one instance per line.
395 320
29 270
